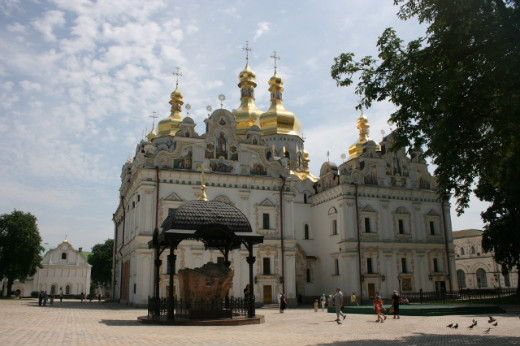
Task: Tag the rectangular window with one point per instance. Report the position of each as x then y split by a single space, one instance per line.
401 226
369 266
403 265
336 267
266 224
432 228
367 225
435 265
334 227
267 266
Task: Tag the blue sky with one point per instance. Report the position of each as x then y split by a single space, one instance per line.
79 80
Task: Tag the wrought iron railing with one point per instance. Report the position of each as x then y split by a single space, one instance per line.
462 296
215 308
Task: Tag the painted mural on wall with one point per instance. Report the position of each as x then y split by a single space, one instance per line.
221 145
257 168
371 177
220 166
185 159
210 151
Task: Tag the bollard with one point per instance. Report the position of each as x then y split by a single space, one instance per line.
316 305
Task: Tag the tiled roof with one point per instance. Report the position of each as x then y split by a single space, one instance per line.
465 233
193 215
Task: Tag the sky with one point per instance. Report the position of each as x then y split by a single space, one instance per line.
80 79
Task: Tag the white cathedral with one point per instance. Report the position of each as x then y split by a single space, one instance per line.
373 223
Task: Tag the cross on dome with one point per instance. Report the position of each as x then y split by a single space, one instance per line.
275 57
247 49
177 74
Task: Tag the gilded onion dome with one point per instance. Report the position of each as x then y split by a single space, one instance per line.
151 135
170 125
247 114
356 149
278 120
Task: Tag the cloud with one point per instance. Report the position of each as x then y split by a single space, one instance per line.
46 25
262 28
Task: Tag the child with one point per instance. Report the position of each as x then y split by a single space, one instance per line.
378 306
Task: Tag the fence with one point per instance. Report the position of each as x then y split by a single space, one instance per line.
215 308
462 296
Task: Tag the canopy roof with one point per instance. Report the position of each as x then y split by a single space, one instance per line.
218 225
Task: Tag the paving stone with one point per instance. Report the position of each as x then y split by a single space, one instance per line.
97 323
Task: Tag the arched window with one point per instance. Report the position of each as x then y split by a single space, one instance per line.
306 235
481 278
64 255
461 278
462 251
308 274
67 289
472 250
53 289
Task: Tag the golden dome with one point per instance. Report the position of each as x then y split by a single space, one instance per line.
278 120
356 149
247 114
170 125
151 135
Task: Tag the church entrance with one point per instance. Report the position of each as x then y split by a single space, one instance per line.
268 294
371 291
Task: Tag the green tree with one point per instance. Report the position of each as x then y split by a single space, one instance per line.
101 261
19 247
457 92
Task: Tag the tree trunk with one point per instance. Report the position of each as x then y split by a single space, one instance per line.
9 286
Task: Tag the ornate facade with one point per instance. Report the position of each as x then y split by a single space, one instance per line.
373 223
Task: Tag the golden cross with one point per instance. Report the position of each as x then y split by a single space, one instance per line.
178 74
247 49
201 169
275 57
153 116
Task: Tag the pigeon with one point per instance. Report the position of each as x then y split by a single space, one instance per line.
470 327
487 330
474 322
450 325
491 319
495 324
456 325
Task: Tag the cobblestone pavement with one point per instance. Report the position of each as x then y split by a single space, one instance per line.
23 322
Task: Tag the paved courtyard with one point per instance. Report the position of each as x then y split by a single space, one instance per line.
23 322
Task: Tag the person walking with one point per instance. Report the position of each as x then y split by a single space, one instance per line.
378 306
396 299
338 303
323 301
282 302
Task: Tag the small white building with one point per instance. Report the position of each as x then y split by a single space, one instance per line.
476 269
65 269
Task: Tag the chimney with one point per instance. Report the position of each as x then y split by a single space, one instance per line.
80 249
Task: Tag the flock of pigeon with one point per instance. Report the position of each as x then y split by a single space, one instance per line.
474 324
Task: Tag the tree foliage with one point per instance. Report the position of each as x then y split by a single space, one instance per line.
19 247
457 92
101 261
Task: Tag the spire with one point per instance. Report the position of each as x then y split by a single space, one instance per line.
277 119
170 125
247 113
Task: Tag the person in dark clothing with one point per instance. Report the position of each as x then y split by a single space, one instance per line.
395 304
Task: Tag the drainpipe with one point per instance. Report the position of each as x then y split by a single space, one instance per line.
156 232
281 234
358 244
446 244
114 252
122 244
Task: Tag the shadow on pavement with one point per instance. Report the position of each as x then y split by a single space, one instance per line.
122 323
428 339
72 304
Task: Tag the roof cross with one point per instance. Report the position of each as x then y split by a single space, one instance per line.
177 74
275 57
247 49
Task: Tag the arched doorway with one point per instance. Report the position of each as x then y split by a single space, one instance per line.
461 279
481 278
